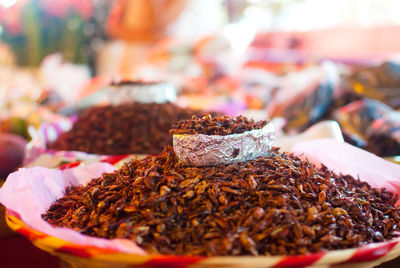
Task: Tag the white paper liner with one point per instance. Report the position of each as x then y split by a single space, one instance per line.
211 150
321 130
145 93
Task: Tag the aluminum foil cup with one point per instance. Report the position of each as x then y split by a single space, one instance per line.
141 92
211 150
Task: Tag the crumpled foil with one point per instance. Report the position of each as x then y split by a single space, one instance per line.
211 150
145 93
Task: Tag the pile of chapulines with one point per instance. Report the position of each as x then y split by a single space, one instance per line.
275 205
136 128
223 125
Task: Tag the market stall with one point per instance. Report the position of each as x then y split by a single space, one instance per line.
170 133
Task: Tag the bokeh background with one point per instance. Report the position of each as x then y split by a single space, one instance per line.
297 61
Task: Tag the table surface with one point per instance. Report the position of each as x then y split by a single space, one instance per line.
16 251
